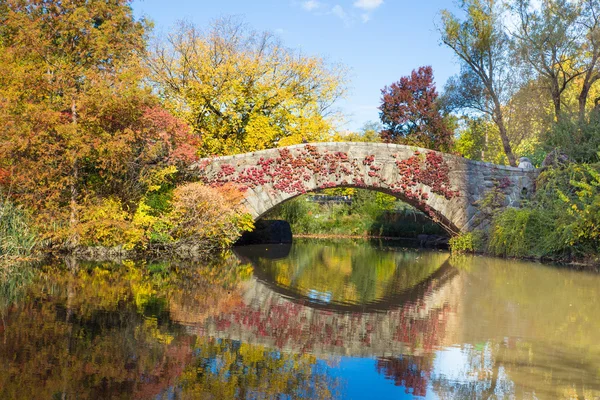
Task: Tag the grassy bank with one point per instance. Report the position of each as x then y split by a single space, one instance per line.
17 237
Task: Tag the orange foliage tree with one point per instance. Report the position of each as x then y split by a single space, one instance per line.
77 122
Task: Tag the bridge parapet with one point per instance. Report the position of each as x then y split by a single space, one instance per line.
446 187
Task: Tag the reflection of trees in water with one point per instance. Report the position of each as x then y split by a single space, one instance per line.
417 325
230 369
357 274
83 334
412 372
518 368
101 330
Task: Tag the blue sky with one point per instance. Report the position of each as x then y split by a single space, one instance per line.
378 40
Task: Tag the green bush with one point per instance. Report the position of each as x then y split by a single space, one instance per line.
527 232
579 140
370 214
470 242
562 220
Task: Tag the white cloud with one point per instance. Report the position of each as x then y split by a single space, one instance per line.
365 18
339 12
310 5
368 5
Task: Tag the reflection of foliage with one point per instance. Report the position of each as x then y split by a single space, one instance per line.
101 330
529 324
230 369
14 279
483 378
411 372
356 276
351 274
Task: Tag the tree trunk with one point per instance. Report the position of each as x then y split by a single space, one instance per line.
73 236
73 220
556 101
589 80
499 120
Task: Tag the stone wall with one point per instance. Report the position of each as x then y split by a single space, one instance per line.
448 188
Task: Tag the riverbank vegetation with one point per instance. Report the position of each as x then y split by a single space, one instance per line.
17 238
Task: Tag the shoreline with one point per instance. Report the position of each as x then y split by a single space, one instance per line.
195 252
338 236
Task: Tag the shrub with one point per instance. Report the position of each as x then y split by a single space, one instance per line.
208 217
523 233
104 222
563 218
579 140
470 242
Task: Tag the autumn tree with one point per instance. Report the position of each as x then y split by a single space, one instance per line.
482 46
411 115
77 122
242 90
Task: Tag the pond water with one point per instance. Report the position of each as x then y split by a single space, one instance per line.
317 319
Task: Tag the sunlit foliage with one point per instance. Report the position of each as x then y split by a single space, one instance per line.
242 90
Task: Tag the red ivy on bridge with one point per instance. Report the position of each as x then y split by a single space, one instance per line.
291 174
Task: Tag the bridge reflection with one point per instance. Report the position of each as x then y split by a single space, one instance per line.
408 314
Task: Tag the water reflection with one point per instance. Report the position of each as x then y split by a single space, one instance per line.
394 323
348 277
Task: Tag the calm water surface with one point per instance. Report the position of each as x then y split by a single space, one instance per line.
318 319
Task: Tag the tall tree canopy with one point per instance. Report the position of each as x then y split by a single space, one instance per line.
243 91
546 40
411 115
560 42
482 46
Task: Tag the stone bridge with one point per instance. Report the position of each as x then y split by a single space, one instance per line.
446 187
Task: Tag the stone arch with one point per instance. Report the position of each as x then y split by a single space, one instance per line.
446 187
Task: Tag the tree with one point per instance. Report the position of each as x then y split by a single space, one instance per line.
369 132
77 122
243 91
589 21
410 113
478 139
481 44
546 40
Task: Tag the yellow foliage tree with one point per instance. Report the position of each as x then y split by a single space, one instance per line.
244 91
